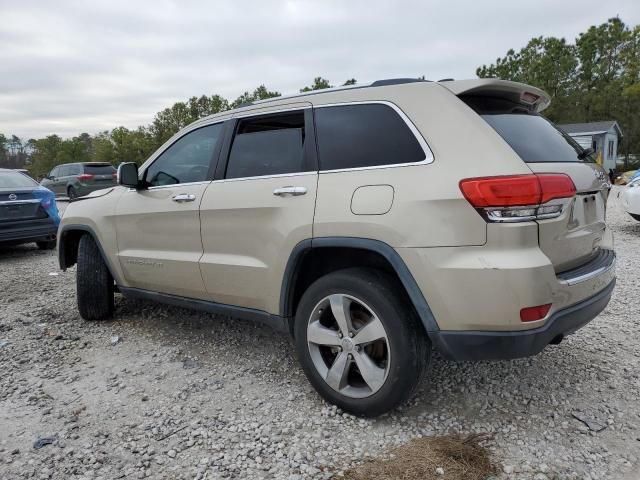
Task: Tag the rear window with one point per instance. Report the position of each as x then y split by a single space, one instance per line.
534 138
368 135
99 169
16 180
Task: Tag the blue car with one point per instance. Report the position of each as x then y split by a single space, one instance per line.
28 212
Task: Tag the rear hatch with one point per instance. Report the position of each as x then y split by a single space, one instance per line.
99 174
574 237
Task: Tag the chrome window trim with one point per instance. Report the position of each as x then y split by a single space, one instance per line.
173 185
429 158
258 177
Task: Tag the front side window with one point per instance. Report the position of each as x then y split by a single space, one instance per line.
268 145
610 155
367 135
186 160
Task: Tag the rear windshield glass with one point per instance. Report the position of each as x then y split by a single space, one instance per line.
535 139
99 169
16 180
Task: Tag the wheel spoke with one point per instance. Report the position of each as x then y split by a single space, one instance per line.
371 373
341 312
321 335
371 332
337 375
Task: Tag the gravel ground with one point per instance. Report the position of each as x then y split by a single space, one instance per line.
163 392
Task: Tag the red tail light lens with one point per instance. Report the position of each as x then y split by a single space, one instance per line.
85 176
531 314
517 190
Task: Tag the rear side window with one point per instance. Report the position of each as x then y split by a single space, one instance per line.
186 160
99 169
268 145
16 180
368 135
534 138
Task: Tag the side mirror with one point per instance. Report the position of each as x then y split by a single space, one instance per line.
128 175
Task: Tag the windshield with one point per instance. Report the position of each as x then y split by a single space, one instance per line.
535 139
16 180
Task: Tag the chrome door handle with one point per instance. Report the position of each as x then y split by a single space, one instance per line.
183 197
290 191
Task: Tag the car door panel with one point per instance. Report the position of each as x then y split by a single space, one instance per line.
248 234
158 228
159 244
251 224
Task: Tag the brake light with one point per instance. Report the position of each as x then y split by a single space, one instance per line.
531 314
520 190
518 197
85 176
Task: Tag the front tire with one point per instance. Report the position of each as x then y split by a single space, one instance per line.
94 284
360 345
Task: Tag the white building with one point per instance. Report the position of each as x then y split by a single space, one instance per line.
603 137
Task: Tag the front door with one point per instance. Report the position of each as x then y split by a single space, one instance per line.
259 207
158 228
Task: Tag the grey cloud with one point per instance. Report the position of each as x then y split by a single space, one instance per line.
72 66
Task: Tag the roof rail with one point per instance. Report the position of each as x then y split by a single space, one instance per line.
377 83
396 81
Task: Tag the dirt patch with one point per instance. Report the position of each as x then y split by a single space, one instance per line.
453 457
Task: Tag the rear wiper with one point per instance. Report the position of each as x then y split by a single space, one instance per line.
585 153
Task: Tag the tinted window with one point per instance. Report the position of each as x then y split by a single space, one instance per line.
64 171
99 169
188 159
535 139
55 172
16 180
353 136
268 145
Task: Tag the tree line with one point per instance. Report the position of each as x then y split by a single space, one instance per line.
597 77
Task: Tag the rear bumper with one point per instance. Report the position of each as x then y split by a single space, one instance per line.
29 231
495 345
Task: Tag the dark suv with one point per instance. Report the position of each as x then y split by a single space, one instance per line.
78 179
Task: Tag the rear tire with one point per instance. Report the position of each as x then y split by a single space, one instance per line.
94 284
46 245
71 193
395 362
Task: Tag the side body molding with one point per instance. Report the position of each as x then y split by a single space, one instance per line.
292 272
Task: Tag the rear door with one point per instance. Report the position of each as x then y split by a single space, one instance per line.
158 228
259 207
575 237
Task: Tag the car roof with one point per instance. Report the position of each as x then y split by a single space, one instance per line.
478 86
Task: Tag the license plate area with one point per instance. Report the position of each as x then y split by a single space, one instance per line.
18 211
588 209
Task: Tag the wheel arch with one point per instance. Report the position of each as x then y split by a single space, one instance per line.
313 258
68 241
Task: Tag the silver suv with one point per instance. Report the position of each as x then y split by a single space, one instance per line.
374 223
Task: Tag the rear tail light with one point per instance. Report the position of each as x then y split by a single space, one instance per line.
531 314
85 177
515 198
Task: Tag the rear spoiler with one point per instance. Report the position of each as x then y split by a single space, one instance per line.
531 97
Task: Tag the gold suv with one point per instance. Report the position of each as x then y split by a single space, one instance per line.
375 223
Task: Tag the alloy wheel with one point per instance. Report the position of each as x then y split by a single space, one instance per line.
348 345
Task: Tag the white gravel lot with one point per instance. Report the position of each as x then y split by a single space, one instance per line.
180 394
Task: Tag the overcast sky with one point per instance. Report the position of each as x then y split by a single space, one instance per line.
68 67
